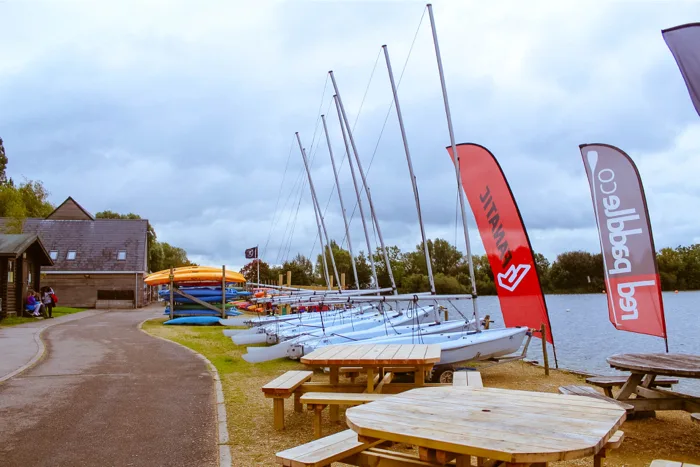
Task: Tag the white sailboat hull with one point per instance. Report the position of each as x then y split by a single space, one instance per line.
460 347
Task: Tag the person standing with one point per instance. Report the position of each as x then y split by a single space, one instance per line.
47 299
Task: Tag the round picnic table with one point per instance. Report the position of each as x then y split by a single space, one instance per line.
518 427
644 368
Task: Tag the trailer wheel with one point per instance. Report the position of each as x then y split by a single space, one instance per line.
442 375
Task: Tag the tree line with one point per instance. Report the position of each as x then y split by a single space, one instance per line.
19 201
570 272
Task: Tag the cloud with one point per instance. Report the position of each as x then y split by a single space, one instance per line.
186 115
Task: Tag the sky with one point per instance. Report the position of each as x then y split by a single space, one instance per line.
185 113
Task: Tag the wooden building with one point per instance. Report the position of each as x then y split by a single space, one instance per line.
97 262
21 259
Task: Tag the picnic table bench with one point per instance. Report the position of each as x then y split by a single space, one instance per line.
317 401
282 388
324 451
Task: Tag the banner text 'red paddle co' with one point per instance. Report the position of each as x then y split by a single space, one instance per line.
631 274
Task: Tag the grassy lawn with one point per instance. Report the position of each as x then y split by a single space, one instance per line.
57 312
254 441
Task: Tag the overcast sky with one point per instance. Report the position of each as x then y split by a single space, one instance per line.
185 113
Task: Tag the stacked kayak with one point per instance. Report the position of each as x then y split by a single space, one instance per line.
192 275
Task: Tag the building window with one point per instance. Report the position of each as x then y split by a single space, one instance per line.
71 255
121 255
53 254
10 271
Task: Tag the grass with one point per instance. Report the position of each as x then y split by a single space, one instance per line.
57 312
254 441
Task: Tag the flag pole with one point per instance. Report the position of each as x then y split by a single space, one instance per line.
258 262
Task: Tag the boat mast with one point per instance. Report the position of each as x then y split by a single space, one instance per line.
364 182
320 216
342 204
455 155
357 193
414 183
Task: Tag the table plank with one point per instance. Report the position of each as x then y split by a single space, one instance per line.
672 364
512 426
376 355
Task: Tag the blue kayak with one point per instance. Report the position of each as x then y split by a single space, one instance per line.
195 321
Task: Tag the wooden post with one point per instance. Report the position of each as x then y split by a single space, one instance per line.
172 301
281 280
342 280
289 278
543 333
223 291
331 281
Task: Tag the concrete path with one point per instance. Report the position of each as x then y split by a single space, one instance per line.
21 346
108 394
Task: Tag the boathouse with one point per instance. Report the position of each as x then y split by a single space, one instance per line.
96 262
21 258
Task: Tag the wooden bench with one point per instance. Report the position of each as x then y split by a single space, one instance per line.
467 378
614 442
317 401
380 457
610 382
282 388
591 392
664 463
324 451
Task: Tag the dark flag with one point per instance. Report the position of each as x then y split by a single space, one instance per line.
251 253
632 278
684 42
505 239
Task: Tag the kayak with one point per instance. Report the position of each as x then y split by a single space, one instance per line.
195 321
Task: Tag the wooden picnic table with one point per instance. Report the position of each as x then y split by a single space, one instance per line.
517 427
644 368
372 358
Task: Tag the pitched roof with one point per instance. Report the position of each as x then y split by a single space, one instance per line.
70 210
96 243
13 245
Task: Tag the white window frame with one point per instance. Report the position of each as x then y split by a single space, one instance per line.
119 255
74 254
53 254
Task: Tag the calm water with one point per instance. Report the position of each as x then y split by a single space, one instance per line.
585 337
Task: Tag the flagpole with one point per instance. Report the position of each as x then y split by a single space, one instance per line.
257 257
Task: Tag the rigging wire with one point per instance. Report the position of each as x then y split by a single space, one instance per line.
279 195
391 106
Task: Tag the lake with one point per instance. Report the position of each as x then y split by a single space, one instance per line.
585 337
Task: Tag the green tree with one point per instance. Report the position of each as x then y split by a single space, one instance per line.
577 272
3 164
543 267
364 271
343 264
250 271
173 257
302 270
397 262
445 284
483 275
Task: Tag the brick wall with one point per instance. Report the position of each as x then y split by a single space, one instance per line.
77 290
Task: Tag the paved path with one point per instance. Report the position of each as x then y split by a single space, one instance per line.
21 346
107 394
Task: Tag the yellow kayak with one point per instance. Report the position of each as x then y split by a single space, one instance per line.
193 274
